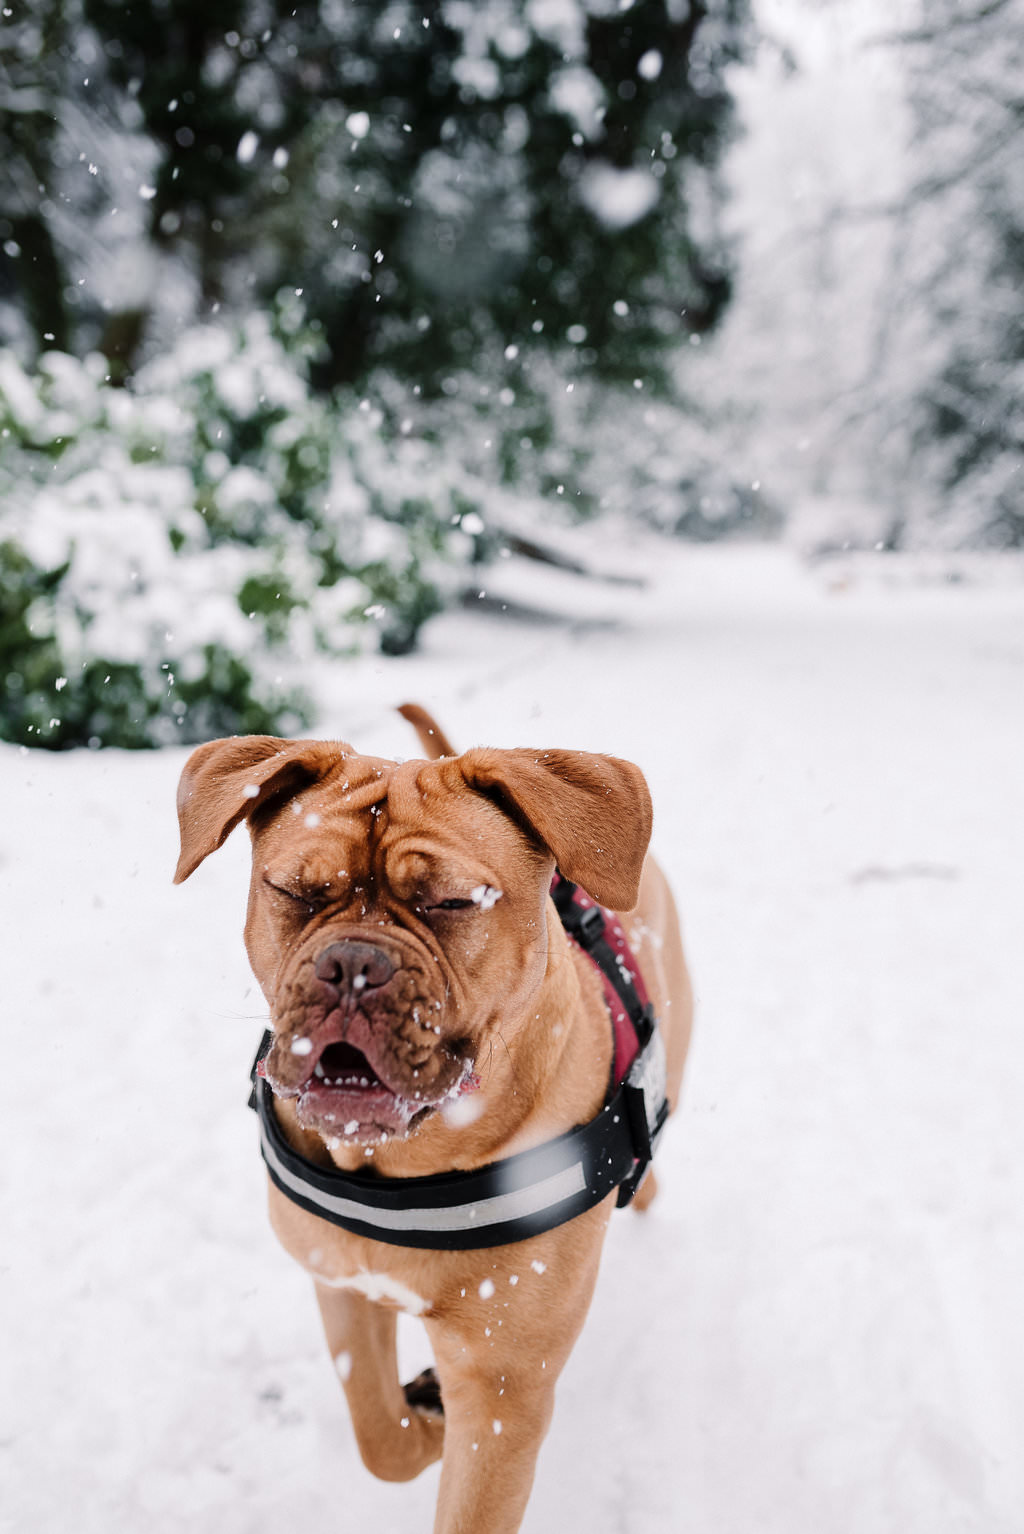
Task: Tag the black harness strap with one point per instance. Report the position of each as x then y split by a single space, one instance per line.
586 926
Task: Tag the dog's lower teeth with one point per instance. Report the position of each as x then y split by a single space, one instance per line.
348 1083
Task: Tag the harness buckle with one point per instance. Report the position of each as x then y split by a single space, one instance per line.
261 1055
584 924
644 1091
588 928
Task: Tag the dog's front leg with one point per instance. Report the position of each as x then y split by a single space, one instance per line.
496 1417
499 1354
396 1440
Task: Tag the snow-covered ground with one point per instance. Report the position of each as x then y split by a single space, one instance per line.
817 1329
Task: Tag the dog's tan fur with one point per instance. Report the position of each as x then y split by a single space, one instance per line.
508 995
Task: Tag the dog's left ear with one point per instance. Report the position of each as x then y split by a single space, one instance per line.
224 781
592 812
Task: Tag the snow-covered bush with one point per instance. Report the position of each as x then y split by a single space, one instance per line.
546 435
174 553
171 554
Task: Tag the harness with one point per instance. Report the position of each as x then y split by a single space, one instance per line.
534 1190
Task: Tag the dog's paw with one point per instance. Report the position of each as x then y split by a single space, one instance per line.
424 1392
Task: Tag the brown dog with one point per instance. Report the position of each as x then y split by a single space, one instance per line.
430 1016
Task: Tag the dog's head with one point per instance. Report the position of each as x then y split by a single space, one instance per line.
397 911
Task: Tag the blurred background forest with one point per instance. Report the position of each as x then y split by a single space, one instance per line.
310 311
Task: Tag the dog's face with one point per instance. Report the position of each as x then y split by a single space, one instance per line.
396 913
390 917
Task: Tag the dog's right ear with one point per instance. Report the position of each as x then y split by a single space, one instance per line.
224 781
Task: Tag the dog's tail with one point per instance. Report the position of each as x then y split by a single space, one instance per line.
434 741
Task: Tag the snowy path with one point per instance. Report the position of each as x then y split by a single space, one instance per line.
817 1329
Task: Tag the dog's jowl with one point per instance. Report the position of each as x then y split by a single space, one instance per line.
479 1015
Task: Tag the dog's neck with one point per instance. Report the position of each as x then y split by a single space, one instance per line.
541 1072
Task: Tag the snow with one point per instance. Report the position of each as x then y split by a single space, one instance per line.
816 1329
579 95
559 22
650 65
379 1287
617 198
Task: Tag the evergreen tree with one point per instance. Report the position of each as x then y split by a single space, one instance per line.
32 73
441 177
965 65
481 231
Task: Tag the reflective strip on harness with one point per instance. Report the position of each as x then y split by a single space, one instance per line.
479 1214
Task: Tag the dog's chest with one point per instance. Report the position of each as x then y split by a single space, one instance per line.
338 1260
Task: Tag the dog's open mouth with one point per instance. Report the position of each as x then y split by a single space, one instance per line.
342 1065
344 1096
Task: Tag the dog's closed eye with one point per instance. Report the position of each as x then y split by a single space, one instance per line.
312 899
482 898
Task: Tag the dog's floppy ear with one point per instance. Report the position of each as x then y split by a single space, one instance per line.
592 812
224 781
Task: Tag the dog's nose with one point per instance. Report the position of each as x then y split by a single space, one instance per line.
354 967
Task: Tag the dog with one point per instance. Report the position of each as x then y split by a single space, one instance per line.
435 1029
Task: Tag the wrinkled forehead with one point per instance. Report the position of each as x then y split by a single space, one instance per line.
385 809
430 805
352 788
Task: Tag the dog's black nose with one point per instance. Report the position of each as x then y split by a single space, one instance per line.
354 967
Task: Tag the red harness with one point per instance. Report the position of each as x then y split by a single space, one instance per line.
623 1027
627 971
